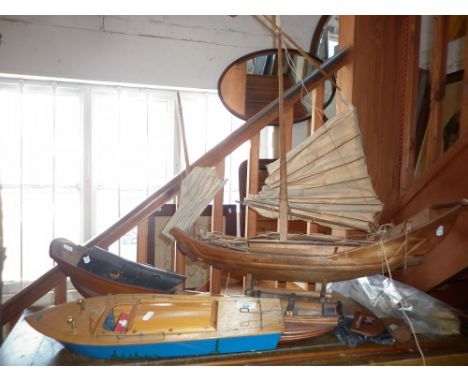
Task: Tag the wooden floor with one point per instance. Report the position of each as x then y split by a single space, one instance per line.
25 346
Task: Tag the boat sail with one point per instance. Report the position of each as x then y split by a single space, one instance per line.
327 179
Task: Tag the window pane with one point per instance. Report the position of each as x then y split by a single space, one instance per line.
160 141
107 213
218 121
105 131
68 137
11 233
133 140
128 201
67 219
37 115
10 134
37 232
194 113
128 245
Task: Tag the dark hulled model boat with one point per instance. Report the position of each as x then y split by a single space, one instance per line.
94 271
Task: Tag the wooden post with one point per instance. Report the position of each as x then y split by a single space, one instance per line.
438 74
316 121
376 43
182 132
283 203
60 291
252 188
317 115
2 259
464 105
142 241
217 225
179 259
288 125
252 184
287 142
411 92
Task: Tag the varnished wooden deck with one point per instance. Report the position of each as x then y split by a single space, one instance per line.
25 346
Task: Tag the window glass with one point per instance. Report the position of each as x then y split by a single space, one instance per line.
51 188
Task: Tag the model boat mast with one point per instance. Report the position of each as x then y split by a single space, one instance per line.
283 204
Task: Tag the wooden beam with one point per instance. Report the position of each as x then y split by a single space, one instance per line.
60 291
286 141
316 121
411 92
182 132
179 259
464 106
28 295
283 189
142 241
252 188
252 184
441 183
288 127
2 259
443 262
371 82
317 114
345 76
438 75
218 226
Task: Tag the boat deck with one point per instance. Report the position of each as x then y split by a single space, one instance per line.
25 346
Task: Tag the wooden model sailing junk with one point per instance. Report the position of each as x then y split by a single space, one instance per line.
327 183
323 180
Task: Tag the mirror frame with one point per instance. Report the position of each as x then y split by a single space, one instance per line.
245 58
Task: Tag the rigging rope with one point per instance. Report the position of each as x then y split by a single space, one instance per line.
400 303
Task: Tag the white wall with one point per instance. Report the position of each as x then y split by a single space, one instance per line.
180 51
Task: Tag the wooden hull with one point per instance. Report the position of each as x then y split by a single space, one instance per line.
143 326
289 261
95 272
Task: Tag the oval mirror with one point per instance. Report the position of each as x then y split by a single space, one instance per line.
324 45
251 82
325 39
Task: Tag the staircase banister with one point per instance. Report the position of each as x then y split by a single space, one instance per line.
212 157
15 305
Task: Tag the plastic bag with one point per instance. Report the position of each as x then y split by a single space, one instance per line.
387 298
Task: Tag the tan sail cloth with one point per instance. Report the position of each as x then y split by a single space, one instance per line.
327 179
197 190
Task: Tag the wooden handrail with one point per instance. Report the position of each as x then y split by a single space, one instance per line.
30 294
15 305
452 154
